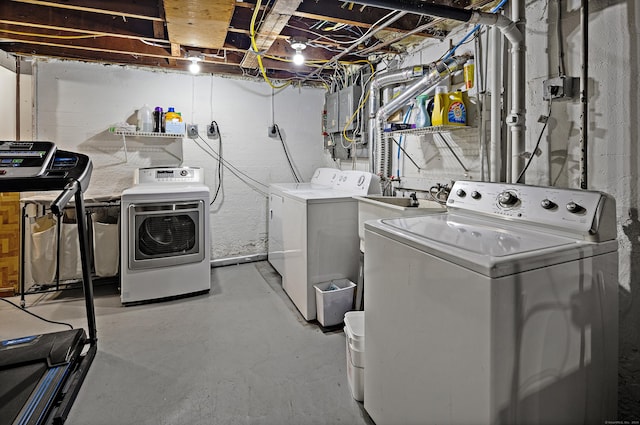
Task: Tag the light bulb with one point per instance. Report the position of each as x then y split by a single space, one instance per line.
298 59
194 67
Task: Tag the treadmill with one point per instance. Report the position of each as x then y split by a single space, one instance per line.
41 375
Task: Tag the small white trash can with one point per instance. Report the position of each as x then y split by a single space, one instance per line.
333 300
354 333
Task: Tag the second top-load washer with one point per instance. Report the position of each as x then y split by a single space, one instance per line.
323 178
320 236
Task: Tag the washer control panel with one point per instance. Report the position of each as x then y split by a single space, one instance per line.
357 182
572 210
169 175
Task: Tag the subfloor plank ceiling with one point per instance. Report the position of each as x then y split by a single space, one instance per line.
226 36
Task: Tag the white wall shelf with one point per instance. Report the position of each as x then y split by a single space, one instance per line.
433 130
146 134
151 134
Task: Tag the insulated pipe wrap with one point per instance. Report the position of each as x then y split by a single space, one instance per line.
441 70
383 80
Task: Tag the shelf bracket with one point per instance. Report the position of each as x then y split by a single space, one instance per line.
442 138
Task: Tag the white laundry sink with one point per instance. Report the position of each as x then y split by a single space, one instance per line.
375 207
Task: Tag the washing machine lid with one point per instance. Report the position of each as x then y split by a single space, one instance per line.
321 195
491 248
297 187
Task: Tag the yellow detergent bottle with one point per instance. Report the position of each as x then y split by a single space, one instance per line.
440 106
456 109
171 115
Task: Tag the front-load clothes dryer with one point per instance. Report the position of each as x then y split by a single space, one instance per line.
165 246
502 310
320 236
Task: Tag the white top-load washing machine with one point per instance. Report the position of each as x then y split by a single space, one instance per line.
502 310
320 235
323 178
165 246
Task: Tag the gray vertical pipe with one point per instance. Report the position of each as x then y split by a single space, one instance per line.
516 119
584 99
17 97
495 157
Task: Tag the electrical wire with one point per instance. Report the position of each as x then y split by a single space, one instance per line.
220 174
35 315
254 46
535 149
58 37
287 154
232 169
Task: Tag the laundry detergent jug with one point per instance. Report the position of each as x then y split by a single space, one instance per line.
456 109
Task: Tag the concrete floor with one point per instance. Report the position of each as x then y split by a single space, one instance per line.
241 354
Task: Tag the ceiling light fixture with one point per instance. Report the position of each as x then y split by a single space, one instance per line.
195 58
298 46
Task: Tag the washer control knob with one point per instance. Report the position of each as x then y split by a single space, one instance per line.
572 207
507 199
461 193
548 204
475 194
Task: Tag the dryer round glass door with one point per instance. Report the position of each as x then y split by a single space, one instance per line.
166 234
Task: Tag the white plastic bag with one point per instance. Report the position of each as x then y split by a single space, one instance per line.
43 249
106 245
70 263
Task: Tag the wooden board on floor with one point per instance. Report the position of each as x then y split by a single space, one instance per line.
9 242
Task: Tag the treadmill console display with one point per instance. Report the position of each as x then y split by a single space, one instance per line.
24 159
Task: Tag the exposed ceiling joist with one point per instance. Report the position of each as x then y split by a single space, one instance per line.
116 8
272 26
158 33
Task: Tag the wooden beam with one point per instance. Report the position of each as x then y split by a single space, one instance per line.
269 30
16 13
12 26
78 6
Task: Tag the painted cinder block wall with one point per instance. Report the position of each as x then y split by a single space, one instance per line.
76 103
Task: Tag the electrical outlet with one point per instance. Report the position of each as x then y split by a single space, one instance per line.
192 131
272 132
212 130
559 88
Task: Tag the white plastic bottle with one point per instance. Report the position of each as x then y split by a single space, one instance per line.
145 119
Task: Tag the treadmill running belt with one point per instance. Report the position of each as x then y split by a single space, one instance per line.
32 371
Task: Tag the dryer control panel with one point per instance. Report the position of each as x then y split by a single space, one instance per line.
169 175
579 212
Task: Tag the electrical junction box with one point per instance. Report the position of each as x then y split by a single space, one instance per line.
333 116
340 107
192 131
560 87
349 98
